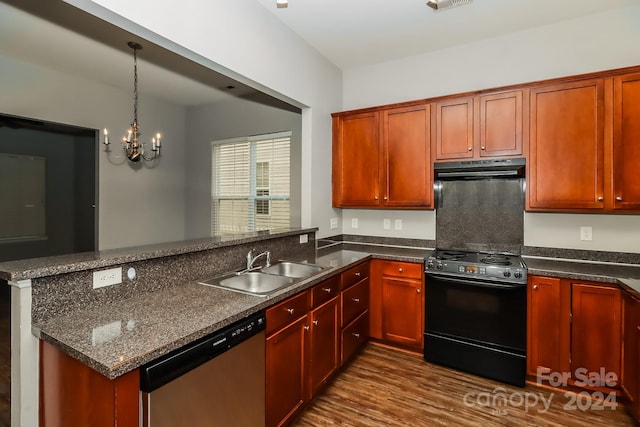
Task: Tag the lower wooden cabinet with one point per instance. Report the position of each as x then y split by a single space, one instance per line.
574 329
285 361
72 394
397 303
631 354
354 336
324 344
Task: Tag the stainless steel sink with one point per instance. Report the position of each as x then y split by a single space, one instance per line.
252 283
297 270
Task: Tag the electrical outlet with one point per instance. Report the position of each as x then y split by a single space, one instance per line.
386 224
397 224
354 222
333 223
304 238
586 233
109 277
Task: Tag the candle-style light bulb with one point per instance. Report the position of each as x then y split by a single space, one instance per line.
106 136
158 140
153 144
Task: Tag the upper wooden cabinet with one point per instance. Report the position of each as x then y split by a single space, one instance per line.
626 142
382 158
566 156
481 126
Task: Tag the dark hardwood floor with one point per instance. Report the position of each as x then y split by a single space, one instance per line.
5 354
388 387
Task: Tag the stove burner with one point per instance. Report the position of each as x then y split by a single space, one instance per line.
496 259
451 255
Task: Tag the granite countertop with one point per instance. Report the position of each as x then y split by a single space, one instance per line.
117 338
625 275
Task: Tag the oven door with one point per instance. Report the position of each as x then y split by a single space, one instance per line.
476 326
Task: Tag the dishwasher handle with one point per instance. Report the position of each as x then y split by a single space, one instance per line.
166 368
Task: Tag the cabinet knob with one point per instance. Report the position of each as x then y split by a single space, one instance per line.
315 323
482 148
327 290
306 328
357 274
418 291
600 198
385 197
290 310
470 148
400 270
355 334
375 197
356 300
619 198
535 287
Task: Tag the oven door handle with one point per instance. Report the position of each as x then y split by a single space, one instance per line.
462 281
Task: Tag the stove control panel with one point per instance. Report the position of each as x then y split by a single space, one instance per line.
505 273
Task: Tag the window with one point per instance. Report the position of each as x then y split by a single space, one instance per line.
250 184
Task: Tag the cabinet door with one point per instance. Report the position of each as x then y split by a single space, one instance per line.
596 329
454 129
626 142
402 311
566 153
285 372
501 124
407 157
548 327
630 353
356 162
324 351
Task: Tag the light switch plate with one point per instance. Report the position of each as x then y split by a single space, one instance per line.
354 222
386 224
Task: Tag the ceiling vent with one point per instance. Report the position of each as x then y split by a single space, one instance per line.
439 5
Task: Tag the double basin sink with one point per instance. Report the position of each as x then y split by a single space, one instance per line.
266 280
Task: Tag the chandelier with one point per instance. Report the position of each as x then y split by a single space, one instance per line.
131 145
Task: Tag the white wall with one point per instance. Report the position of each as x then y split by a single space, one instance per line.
137 205
597 42
248 43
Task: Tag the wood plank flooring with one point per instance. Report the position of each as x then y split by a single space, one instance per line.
388 387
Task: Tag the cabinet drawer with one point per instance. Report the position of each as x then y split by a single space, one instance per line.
402 269
355 336
354 275
287 311
324 291
355 300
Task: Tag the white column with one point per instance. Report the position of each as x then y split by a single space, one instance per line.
24 358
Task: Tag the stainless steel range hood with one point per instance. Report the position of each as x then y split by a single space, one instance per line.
479 169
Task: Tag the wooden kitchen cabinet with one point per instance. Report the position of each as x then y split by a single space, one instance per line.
286 349
382 158
324 344
566 155
596 328
626 142
482 126
630 381
548 326
72 394
355 310
397 303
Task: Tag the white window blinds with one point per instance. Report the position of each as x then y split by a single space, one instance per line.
250 184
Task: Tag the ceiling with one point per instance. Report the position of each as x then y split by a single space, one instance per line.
349 33
356 33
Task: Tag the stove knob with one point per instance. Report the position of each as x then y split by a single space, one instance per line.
506 273
439 266
517 275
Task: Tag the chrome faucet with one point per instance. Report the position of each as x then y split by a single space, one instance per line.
251 259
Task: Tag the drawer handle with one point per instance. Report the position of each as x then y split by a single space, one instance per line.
357 300
400 270
290 310
355 334
357 274
327 290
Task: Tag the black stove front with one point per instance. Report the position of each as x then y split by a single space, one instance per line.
475 313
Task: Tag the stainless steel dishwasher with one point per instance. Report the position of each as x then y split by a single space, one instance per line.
216 381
